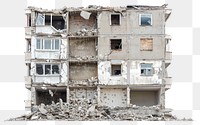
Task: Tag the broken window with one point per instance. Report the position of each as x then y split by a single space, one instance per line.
115 19
55 69
40 19
56 21
47 19
146 69
28 49
116 70
146 44
47 69
116 44
145 19
39 69
45 96
28 19
48 44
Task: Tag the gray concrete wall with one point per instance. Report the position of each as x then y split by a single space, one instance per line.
82 71
157 52
83 93
131 47
104 48
104 73
130 23
158 22
144 98
77 23
131 73
135 73
82 47
104 26
113 97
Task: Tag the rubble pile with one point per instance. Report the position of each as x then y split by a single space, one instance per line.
86 110
88 82
84 32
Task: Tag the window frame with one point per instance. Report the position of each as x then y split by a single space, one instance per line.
111 19
42 44
146 68
44 70
140 16
115 49
43 21
112 70
141 45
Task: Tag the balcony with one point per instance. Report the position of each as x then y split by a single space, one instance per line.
29 31
28 82
168 58
49 79
27 57
27 105
168 82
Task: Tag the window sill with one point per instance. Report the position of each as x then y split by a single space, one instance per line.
37 50
115 25
58 75
146 75
146 25
116 50
116 75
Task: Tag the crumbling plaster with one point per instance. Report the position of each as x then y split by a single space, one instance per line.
104 73
113 97
135 73
131 75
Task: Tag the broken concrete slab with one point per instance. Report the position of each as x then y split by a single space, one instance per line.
85 110
85 14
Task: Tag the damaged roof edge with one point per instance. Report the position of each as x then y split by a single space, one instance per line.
167 13
95 8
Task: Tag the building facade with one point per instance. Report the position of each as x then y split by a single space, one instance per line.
112 56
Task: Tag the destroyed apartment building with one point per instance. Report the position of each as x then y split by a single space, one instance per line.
112 56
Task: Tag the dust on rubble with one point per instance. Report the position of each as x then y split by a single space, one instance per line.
84 110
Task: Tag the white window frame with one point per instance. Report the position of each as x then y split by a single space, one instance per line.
119 19
53 46
43 68
43 23
146 68
140 15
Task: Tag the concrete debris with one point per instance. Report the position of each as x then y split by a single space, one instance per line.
84 32
85 110
89 82
84 58
85 14
51 93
